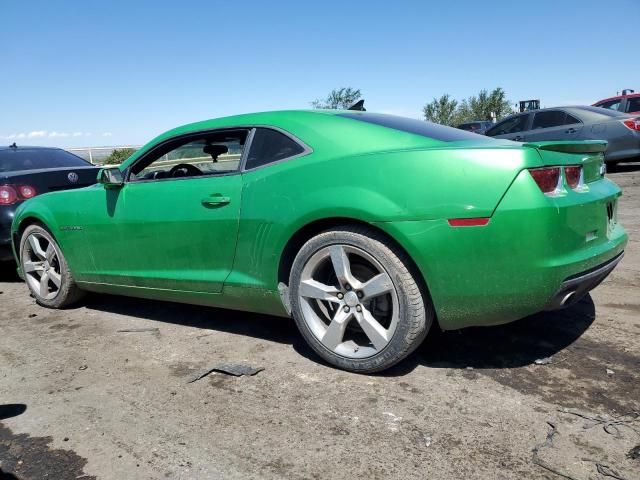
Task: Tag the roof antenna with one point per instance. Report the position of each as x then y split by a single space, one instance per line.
359 106
13 145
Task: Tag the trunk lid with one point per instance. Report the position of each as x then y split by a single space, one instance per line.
52 179
588 153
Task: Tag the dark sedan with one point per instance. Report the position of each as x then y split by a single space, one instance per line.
620 130
29 171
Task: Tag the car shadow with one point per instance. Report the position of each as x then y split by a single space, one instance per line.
512 345
266 327
8 272
624 167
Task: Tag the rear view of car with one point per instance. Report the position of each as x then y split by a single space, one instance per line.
29 171
620 130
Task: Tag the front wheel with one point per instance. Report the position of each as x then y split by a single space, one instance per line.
45 269
356 300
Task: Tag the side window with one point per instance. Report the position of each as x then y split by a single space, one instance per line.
633 104
510 125
548 119
270 146
571 120
210 153
610 104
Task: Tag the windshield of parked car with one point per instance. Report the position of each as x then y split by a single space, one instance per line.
17 159
418 127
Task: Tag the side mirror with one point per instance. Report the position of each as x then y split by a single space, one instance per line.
110 177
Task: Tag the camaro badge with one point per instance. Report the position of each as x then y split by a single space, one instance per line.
73 177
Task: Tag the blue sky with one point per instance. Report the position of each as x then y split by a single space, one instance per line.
89 73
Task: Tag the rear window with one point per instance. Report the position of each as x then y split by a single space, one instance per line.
604 111
12 160
417 127
633 104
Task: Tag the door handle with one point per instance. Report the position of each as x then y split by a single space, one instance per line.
570 130
215 201
517 138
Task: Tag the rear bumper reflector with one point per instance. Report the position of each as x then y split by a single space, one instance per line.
468 222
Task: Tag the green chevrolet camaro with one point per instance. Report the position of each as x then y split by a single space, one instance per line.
367 228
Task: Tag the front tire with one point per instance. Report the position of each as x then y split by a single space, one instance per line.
356 300
45 269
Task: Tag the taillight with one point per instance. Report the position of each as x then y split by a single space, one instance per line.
27 191
547 178
10 194
633 124
572 174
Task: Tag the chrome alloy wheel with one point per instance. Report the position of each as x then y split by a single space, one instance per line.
41 266
348 301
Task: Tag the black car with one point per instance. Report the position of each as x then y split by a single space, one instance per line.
29 171
476 126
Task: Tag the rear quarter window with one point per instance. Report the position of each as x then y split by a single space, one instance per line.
417 127
269 146
633 104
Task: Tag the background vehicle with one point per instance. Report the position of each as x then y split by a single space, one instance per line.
29 171
359 224
476 126
626 103
621 131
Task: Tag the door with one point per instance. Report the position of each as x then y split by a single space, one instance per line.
511 129
174 223
554 125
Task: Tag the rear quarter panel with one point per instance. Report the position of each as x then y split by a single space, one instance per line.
409 185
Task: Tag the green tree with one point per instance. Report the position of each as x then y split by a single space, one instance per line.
448 111
339 98
118 156
441 110
481 106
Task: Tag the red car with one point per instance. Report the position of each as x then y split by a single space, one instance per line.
627 103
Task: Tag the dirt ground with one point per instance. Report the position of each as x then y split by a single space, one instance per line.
78 399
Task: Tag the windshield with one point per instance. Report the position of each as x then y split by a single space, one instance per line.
418 127
16 159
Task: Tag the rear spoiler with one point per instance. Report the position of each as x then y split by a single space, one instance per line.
583 146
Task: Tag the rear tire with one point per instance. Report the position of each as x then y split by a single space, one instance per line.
45 269
357 301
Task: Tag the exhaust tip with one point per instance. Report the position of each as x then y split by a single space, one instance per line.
567 298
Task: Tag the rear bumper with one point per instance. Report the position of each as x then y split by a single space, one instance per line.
577 286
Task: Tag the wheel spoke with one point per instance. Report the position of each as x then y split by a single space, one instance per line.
50 253
314 289
372 329
36 247
44 285
341 265
31 266
378 285
55 278
335 331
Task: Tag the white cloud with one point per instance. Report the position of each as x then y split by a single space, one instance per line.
107 134
58 134
37 133
49 134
